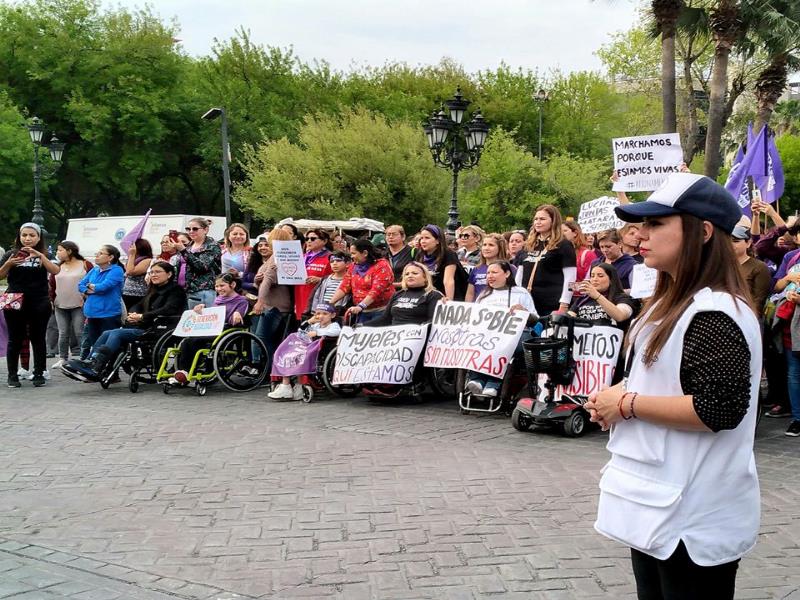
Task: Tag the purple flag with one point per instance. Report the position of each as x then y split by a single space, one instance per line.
135 233
772 184
752 162
297 355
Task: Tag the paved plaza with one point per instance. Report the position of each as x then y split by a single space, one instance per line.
109 495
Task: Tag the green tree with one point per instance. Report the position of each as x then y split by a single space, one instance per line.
16 159
789 149
357 164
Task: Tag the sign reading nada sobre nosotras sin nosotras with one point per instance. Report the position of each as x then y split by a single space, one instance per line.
643 162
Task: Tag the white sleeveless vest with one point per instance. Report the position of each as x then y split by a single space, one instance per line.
665 485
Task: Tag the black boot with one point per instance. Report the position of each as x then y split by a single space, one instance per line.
93 371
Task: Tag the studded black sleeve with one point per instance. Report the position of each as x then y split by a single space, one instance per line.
715 370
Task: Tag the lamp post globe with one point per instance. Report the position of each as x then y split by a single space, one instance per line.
455 145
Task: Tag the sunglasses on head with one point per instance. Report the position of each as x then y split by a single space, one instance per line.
193 228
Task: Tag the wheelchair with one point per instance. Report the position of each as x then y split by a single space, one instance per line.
142 357
230 359
513 385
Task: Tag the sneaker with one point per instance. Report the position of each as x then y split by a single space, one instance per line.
45 374
297 392
474 387
794 429
39 381
13 381
58 364
490 392
23 373
282 392
778 411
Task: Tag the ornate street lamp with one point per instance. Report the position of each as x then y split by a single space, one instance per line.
36 129
540 98
454 145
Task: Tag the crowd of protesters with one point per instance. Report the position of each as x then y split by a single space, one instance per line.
721 277
556 265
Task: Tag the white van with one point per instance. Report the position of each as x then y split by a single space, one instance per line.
92 232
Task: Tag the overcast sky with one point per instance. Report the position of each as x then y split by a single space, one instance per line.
479 34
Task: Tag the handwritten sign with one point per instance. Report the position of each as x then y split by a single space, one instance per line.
289 261
474 337
645 161
598 215
643 281
387 355
209 322
596 350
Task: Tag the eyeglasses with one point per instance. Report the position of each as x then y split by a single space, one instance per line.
311 239
465 236
101 252
193 228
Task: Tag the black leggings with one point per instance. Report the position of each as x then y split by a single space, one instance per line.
678 578
28 323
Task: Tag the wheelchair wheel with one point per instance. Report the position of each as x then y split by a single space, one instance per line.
345 391
576 424
133 382
308 393
234 362
166 341
200 389
519 421
444 382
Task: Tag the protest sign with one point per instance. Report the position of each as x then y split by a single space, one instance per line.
598 215
297 355
645 161
474 337
289 261
386 355
209 322
643 281
596 350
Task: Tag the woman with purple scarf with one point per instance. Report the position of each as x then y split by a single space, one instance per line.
449 277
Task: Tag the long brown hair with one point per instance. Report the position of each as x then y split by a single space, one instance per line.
502 247
556 235
580 239
717 268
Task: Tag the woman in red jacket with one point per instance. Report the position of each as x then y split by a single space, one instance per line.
369 279
318 247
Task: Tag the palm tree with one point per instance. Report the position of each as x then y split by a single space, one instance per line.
666 13
727 28
778 31
788 117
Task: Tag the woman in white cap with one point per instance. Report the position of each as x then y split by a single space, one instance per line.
681 487
26 302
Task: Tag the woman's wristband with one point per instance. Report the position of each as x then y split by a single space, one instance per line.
361 305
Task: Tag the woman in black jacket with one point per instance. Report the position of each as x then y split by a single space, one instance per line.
165 298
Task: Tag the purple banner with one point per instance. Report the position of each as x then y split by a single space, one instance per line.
297 355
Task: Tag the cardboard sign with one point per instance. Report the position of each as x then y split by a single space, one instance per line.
598 215
595 351
387 355
645 161
643 281
209 322
474 337
290 262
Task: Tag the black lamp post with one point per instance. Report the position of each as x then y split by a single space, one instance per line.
210 115
36 129
540 98
454 145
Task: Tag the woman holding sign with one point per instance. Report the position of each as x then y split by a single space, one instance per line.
500 291
681 487
547 265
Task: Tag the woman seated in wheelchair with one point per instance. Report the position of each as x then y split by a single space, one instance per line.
228 288
413 304
165 298
320 325
500 291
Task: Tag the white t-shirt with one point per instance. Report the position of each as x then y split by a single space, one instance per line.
508 298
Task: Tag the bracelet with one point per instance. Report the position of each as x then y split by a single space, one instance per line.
633 412
619 406
362 306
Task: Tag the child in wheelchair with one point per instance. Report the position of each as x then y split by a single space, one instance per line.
320 325
227 288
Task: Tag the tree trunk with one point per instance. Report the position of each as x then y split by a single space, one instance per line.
769 87
692 132
670 120
716 110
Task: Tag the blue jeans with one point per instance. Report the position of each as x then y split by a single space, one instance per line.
793 368
204 297
115 339
366 317
269 329
97 326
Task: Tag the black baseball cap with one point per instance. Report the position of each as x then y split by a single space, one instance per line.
696 195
